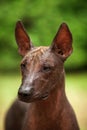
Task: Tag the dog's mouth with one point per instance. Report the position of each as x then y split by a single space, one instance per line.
45 96
33 97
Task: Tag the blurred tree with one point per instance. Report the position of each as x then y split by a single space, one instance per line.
42 19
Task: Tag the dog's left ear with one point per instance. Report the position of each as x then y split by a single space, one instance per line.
23 40
62 42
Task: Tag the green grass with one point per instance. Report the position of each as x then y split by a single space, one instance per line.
76 89
77 80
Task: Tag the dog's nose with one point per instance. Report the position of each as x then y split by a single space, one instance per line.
25 92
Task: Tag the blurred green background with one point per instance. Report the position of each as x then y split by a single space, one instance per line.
41 20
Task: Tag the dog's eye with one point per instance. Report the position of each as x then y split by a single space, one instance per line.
46 68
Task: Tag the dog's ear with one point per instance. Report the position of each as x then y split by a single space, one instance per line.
62 42
22 39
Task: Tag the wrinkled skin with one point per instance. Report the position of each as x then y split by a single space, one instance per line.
38 69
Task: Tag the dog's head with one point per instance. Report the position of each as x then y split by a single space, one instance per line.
42 67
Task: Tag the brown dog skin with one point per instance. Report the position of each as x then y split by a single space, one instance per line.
42 89
15 116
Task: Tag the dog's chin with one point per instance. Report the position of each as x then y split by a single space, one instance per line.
33 98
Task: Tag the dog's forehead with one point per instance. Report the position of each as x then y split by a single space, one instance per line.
36 53
39 50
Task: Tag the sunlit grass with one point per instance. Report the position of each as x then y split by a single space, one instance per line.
8 88
76 89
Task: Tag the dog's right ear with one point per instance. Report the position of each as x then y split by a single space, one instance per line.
22 39
62 42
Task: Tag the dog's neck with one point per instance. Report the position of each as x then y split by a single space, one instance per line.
54 103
